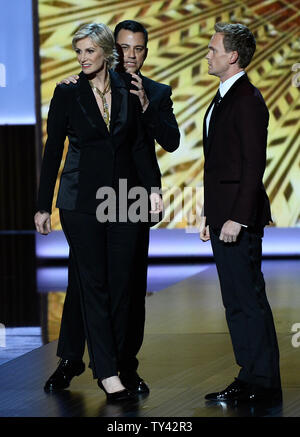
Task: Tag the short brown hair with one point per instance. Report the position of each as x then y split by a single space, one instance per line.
238 37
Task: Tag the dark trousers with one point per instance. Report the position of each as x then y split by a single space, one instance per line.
136 320
248 312
72 336
97 300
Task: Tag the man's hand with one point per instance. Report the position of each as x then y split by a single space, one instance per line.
204 230
69 79
42 222
156 203
230 231
141 92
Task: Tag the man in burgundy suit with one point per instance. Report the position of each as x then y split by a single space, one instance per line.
236 209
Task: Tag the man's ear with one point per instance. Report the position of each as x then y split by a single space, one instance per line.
146 54
234 56
120 66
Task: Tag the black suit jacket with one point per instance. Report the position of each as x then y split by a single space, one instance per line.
159 123
96 157
235 159
158 120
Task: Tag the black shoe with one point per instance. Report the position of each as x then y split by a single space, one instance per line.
268 395
118 396
63 375
134 383
244 392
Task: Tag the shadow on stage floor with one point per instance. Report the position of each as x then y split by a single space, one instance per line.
186 353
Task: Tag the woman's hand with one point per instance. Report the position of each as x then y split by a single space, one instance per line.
156 203
204 229
42 222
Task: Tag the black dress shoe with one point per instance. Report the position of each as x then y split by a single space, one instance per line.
117 396
262 394
230 393
244 392
134 383
63 375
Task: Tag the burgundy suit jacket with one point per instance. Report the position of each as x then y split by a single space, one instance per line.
235 159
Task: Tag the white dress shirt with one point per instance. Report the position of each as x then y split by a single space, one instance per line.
223 88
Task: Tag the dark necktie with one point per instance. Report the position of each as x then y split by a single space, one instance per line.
217 101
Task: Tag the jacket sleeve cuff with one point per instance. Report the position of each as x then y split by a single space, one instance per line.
150 115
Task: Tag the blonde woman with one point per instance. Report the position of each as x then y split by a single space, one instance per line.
106 146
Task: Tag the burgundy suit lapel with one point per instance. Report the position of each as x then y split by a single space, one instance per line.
205 137
207 140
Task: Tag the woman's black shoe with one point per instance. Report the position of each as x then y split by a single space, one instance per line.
133 382
118 396
62 376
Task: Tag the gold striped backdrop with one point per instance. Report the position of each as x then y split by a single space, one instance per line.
179 32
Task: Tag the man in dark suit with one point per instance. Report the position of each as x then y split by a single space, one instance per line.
159 124
236 209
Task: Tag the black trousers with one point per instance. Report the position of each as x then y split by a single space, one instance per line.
136 320
97 300
248 313
72 338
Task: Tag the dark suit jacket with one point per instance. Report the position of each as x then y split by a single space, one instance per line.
159 121
96 157
235 159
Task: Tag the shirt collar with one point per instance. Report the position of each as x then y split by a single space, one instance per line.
225 86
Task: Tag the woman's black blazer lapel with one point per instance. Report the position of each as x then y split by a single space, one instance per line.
119 105
88 104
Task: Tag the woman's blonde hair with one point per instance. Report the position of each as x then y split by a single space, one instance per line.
103 37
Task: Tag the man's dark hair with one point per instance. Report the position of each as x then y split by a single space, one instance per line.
238 37
133 26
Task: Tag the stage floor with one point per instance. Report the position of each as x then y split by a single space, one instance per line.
186 354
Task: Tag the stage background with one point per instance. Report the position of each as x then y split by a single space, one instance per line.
16 64
179 33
